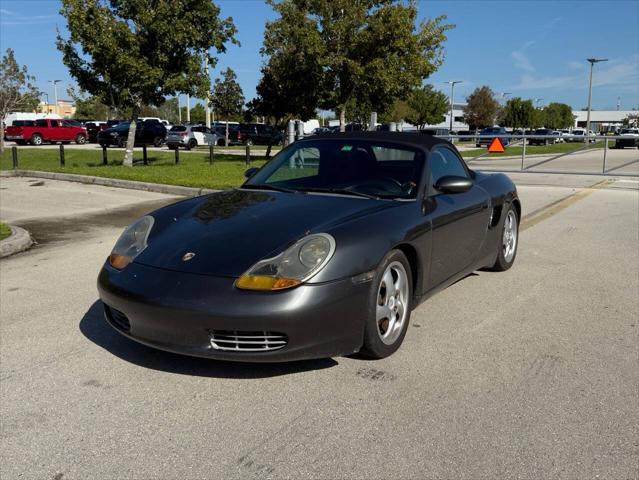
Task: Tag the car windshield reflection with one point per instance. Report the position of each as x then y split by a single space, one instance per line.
347 167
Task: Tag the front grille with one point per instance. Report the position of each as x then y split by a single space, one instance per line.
235 341
118 319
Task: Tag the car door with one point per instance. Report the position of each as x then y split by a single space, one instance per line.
459 220
55 131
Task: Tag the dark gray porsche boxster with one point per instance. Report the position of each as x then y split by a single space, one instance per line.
324 251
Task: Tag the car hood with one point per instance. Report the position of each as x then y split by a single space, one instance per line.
229 231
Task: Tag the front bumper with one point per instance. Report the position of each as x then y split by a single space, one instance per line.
179 312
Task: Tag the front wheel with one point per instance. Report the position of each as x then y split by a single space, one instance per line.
508 240
36 139
157 141
80 139
389 306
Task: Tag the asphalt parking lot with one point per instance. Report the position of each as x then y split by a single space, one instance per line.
531 373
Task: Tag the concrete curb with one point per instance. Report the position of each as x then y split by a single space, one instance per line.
111 182
18 241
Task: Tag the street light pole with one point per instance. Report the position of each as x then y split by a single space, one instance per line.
55 93
592 63
537 100
452 97
504 95
207 100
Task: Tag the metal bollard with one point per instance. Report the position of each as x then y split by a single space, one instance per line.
248 154
14 157
105 160
210 154
177 155
290 132
61 155
144 157
603 170
300 130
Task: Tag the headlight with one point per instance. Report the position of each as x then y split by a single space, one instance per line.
131 243
295 265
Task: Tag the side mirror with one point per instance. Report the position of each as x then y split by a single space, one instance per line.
250 172
454 184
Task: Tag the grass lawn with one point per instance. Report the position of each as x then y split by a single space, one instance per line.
193 170
5 231
515 150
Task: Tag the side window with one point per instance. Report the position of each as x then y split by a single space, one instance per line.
41 123
302 163
444 162
55 123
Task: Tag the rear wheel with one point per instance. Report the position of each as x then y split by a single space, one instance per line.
508 240
192 144
36 139
389 306
157 141
80 139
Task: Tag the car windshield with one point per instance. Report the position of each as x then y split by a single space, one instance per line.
178 128
351 167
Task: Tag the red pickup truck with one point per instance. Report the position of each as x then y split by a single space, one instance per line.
45 130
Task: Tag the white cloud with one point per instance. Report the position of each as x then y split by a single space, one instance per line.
618 72
521 61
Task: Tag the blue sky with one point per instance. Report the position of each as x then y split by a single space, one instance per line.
533 49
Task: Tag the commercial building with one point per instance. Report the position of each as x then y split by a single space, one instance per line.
601 120
64 108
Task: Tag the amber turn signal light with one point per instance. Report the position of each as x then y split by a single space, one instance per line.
265 282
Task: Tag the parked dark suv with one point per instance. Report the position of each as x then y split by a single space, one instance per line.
259 133
487 135
149 132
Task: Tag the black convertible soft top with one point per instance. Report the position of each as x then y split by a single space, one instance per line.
415 139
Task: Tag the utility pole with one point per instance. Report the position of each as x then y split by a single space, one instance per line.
592 63
55 93
207 100
452 99
188 108
179 109
618 103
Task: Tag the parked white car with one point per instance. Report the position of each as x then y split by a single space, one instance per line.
578 135
190 136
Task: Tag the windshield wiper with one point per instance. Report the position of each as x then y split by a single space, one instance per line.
342 191
268 186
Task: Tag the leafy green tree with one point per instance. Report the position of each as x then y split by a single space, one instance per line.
131 53
481 108
428 106
400 110
558 115
517 113
369 51
17 91
538 118
227 99
285 90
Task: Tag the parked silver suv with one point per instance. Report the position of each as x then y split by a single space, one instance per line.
190 136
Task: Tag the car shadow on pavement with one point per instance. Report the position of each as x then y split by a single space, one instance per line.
94 327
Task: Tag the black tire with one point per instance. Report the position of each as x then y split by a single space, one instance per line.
220 142
80 139
192 144
20 142
36 139
502 263
373 346
158 141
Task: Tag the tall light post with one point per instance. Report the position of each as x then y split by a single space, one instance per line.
452 97
537 100
504 95
55 92
592 63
